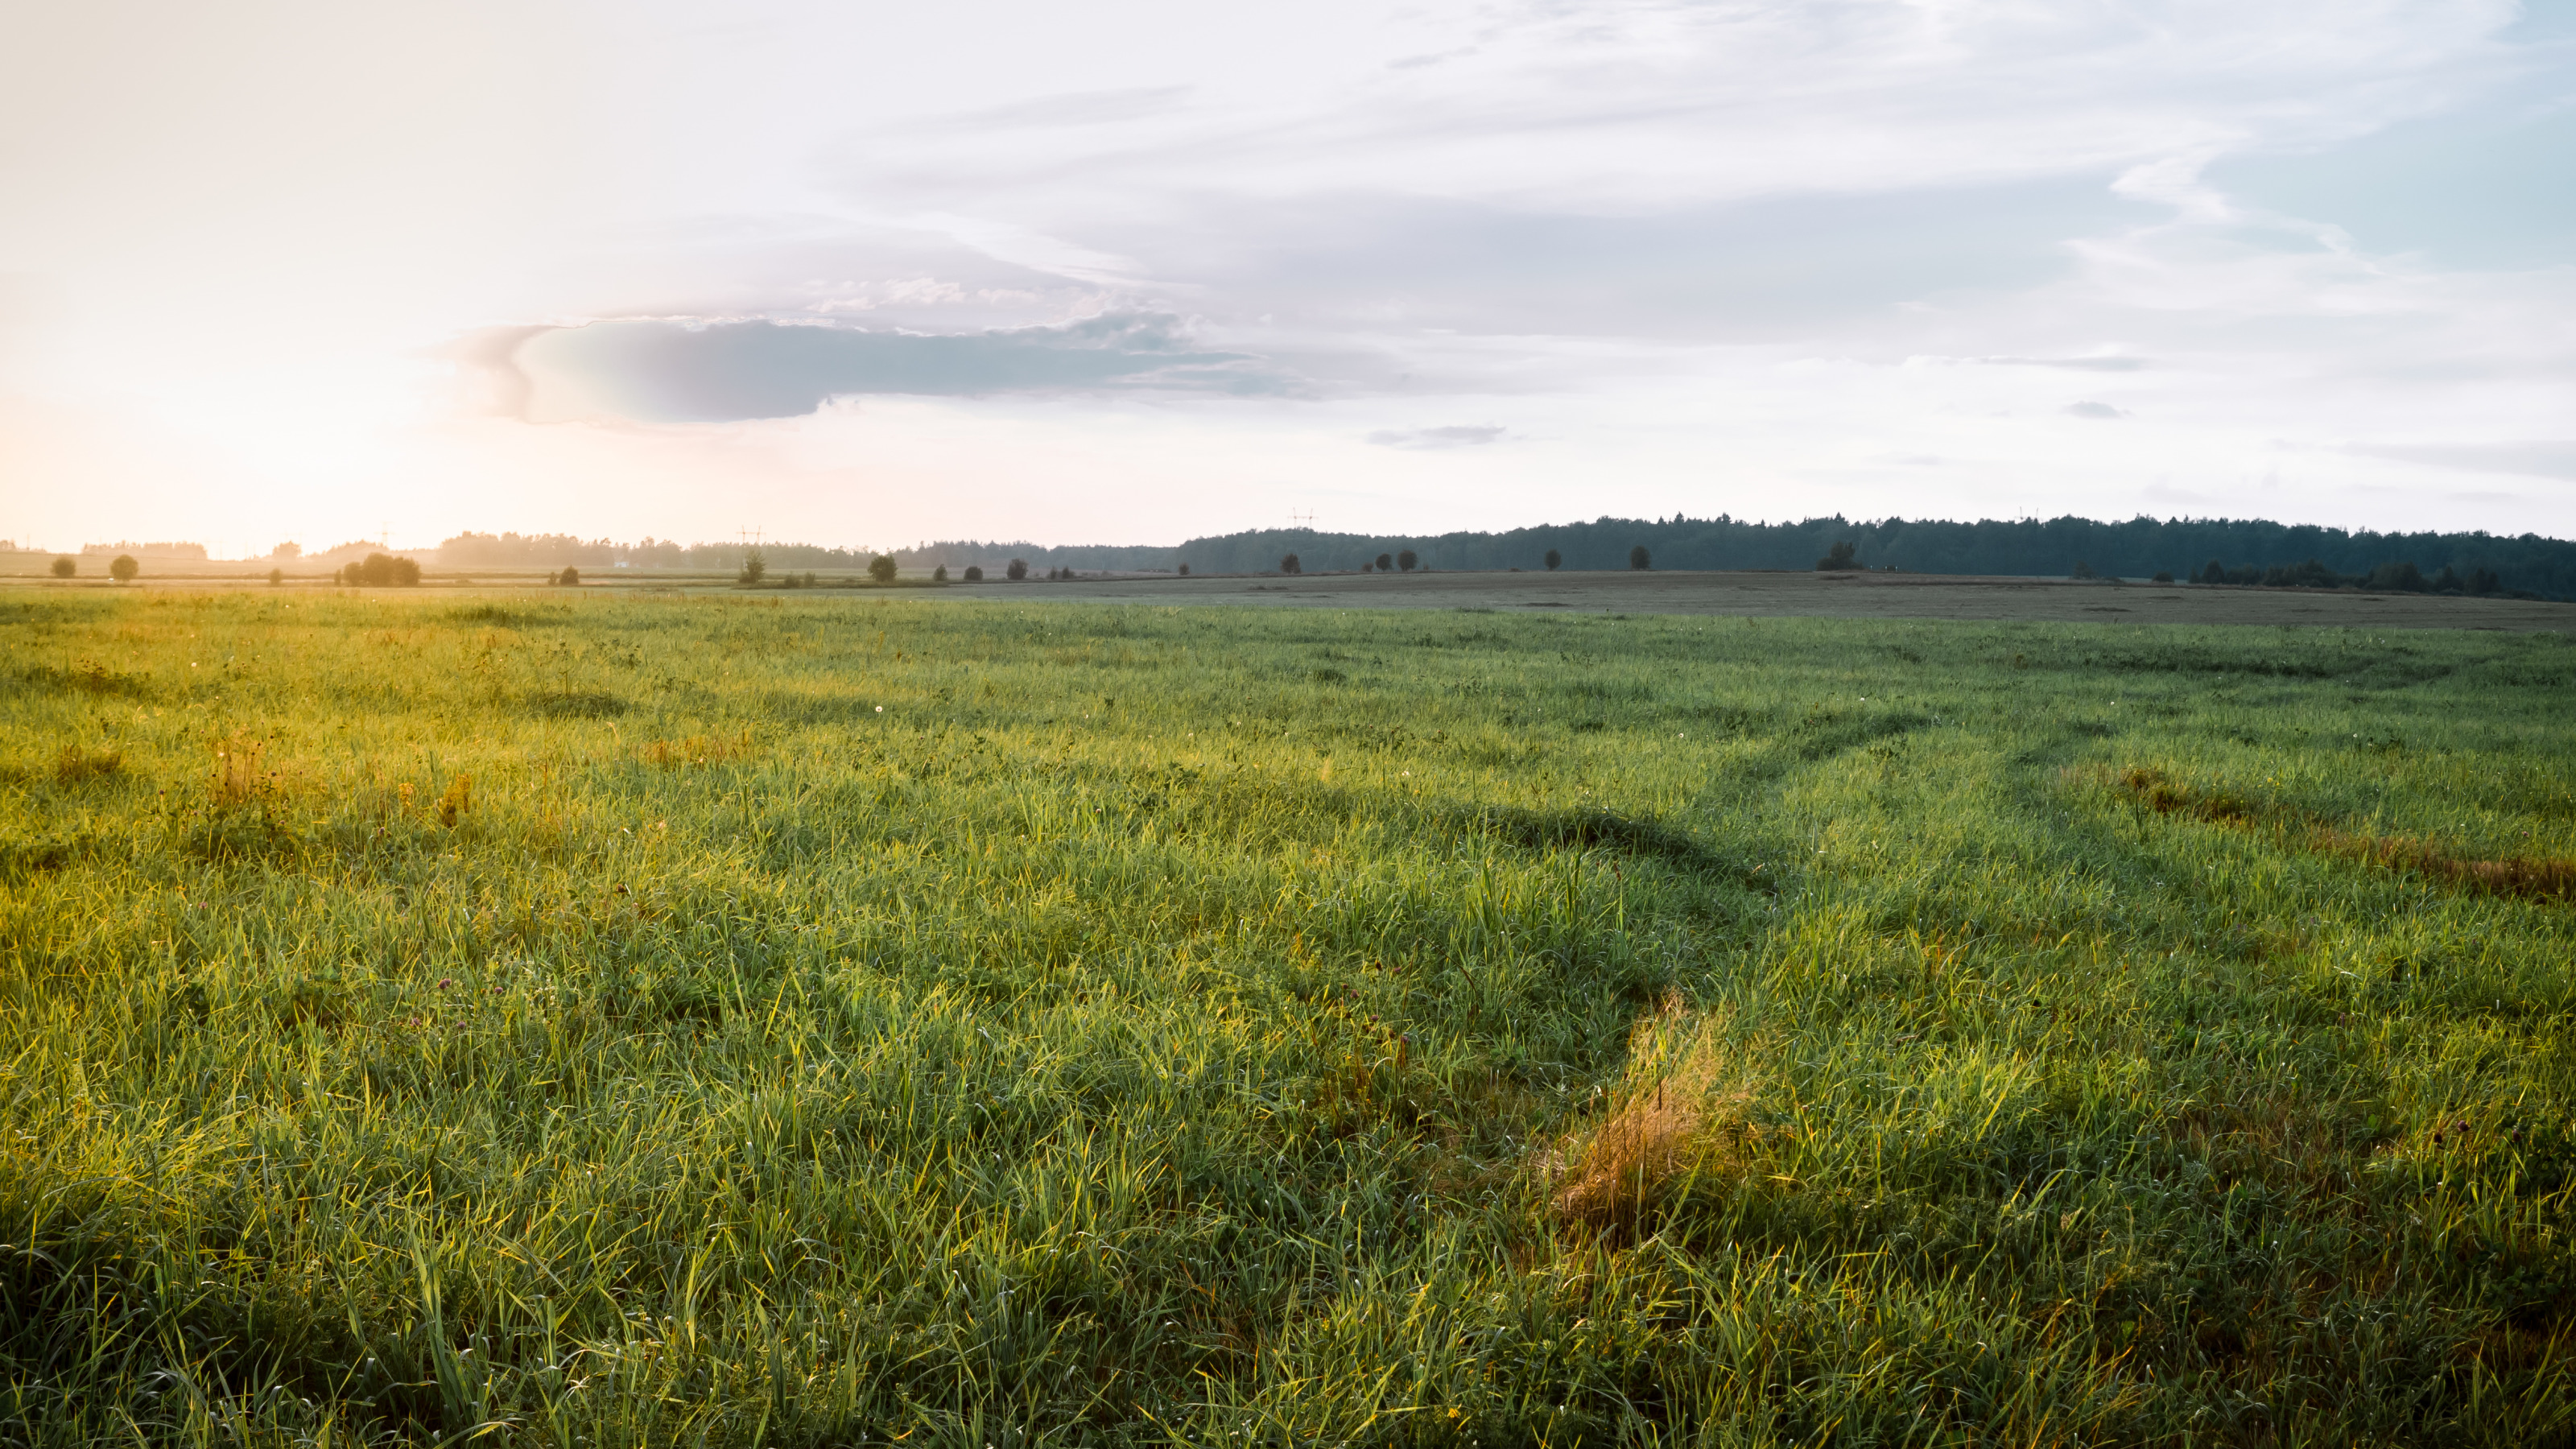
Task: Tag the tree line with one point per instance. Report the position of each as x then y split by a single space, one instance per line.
2248 551
2244 551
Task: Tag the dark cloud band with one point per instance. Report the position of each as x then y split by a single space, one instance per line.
661 371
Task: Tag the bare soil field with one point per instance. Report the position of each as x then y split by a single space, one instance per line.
1854 595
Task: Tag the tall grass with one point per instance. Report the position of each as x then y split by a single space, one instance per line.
751 1021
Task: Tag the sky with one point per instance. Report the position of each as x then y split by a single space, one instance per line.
1139 270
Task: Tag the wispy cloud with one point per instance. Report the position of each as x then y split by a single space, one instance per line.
666 371
1454 436
2537 458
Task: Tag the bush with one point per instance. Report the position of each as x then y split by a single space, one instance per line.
1386 563
755 567
1185 571
1638 558
1018 570
939 575
2484 581
570 578
2212 572
1404 560
124 568
1554 558
2082 570
2164 576
2397 577
64 568
974 573
276 577
2309 575
378 571
881 568
1290 565
1840 557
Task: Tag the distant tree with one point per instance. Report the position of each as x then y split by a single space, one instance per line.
570 578
755 567
1386 564
1185 571
2401 577
1554 558
124 568
287 550
1638 558
2484 581
939 575
1290 565
2164 577
2082 570
974 573
64 568
1018 570
1404 560
881 568
2212 572
276 577
1843 555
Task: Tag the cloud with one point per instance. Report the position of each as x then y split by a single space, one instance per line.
1080 108
2096 410
665 371
2080 364
1458 436
2539 457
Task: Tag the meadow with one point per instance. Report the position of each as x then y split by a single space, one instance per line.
552 1020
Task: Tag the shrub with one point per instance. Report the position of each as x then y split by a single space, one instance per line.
2212 572
755 567
570 578
1638 558
124 568
2309 575
2484 581
1840 557
1386 563
64 568
1290 565
276 577
2400 577
1018 570
2082 570
378 571
1404 560
974 573
939 575
881 568
2164 576
1554 558
1185 571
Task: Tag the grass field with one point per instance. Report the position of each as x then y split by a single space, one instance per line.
809 1021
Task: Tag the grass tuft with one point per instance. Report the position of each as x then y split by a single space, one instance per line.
1679 1117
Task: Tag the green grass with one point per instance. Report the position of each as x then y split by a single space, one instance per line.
835 1021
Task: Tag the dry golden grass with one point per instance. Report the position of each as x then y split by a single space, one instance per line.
2520 875
695 750
458 799
76 764
1681 1116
